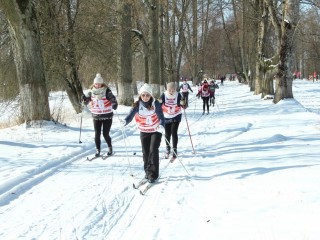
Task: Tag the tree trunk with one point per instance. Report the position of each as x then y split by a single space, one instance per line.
238 52
228 38
154 72
162 61
175 39
243 41
267 83
262 15
182 39
60 45
74 88
125 93
195 68
24 32
170 33
284 76
204 34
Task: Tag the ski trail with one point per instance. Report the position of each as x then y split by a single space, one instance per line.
140 209
14 188
19 185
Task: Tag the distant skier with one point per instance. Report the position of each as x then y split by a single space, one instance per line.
185 87
222 79
213 86
204 92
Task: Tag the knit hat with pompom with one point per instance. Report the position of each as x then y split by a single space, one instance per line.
98 79
146 88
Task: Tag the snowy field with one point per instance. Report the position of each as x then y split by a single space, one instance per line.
255 175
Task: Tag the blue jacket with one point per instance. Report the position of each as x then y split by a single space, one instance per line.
135 109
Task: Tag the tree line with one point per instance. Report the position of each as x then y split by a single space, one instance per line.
61 45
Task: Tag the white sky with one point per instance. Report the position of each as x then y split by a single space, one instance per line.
255 175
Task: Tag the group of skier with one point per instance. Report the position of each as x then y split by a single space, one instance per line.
207 93
153 118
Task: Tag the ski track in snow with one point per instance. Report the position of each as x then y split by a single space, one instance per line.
114 197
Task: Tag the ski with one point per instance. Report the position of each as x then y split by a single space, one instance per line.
144 191
94 157
104 157
140 183
172 159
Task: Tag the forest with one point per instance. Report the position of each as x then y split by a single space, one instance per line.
60 45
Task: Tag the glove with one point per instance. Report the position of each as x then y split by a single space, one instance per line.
123 122
160 129
83 98
114 106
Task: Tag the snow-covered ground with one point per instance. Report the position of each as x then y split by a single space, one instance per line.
255 175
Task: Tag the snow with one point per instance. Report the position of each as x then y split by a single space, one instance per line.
255 175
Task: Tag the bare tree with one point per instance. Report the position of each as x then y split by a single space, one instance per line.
125 93
284 77
176 15
8 74
59 41
228 37
25 36
262 16
154 50
194 49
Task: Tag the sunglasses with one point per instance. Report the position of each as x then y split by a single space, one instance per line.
145 95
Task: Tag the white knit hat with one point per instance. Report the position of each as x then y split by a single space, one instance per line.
171 85
146 88
98 79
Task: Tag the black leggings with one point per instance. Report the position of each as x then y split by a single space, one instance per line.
150 143
212 100
98 124
171 129
185 96
205 102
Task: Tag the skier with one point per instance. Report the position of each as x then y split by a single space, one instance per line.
204 92
213 86
185 87
222 79
171 106
149 117
102 103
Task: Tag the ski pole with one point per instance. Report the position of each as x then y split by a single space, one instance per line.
80 129
185 115
195 106
81 121
125 144
217 104
177 156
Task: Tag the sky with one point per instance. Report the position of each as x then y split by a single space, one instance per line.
249 171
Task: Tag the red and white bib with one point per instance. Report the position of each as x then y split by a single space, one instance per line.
205 93
147 120
100 106
170 108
